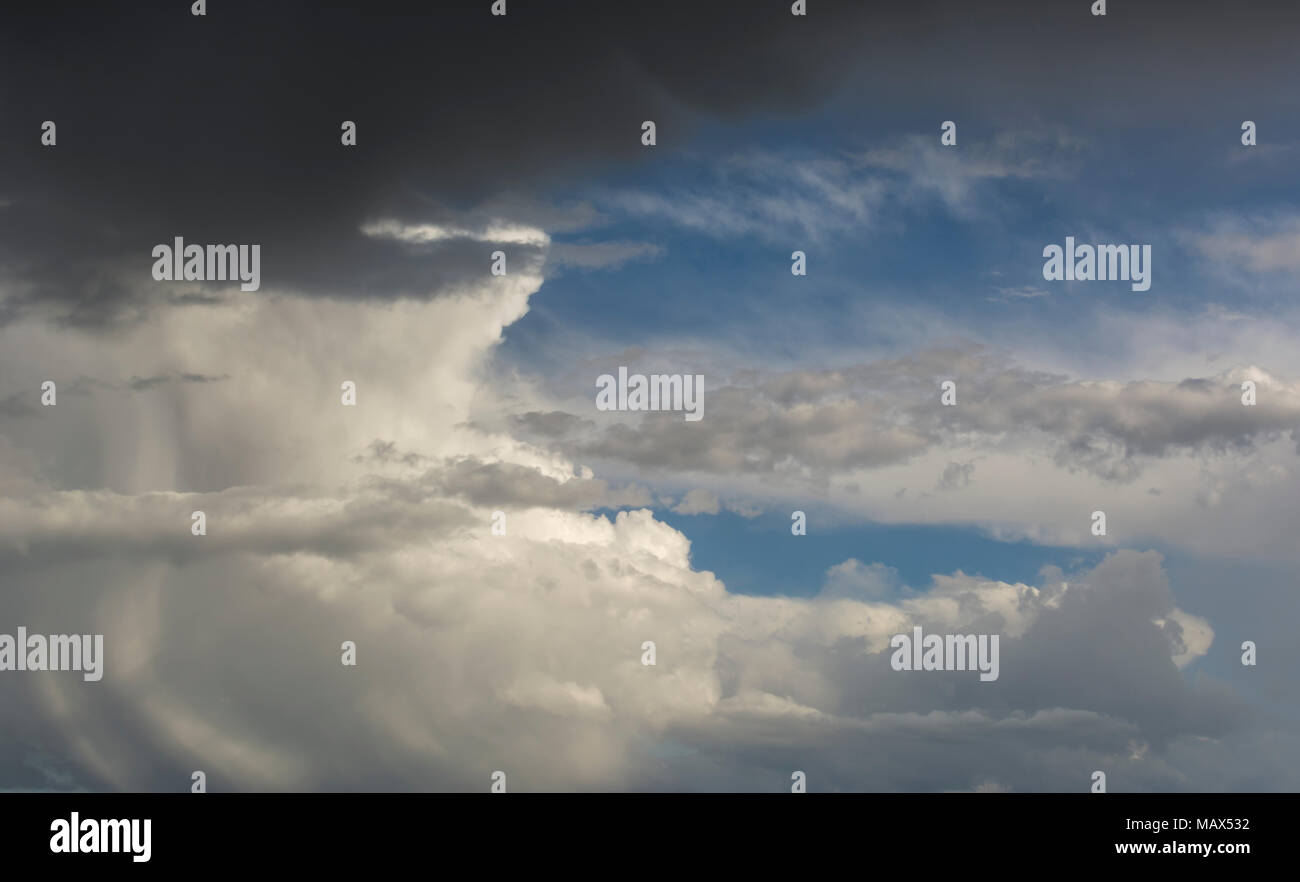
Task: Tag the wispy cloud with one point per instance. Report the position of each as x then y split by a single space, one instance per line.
1258 244
775 196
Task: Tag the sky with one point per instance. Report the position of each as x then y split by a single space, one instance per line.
498 549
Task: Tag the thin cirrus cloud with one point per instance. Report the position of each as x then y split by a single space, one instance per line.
1268 244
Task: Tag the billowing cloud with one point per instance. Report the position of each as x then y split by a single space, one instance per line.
518 650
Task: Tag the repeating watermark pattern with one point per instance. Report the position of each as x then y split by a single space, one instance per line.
805 428
657 392
57 652
946 652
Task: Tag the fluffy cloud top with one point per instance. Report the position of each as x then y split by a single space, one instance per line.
521 651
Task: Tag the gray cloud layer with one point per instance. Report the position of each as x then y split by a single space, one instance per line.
886 412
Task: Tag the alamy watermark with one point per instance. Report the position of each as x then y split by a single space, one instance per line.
656 392
1101 263
77 835
58 652
946 652
214 263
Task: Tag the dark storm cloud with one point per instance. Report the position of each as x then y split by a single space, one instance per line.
226 128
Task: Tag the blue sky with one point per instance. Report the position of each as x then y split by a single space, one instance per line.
1122 186
972 258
